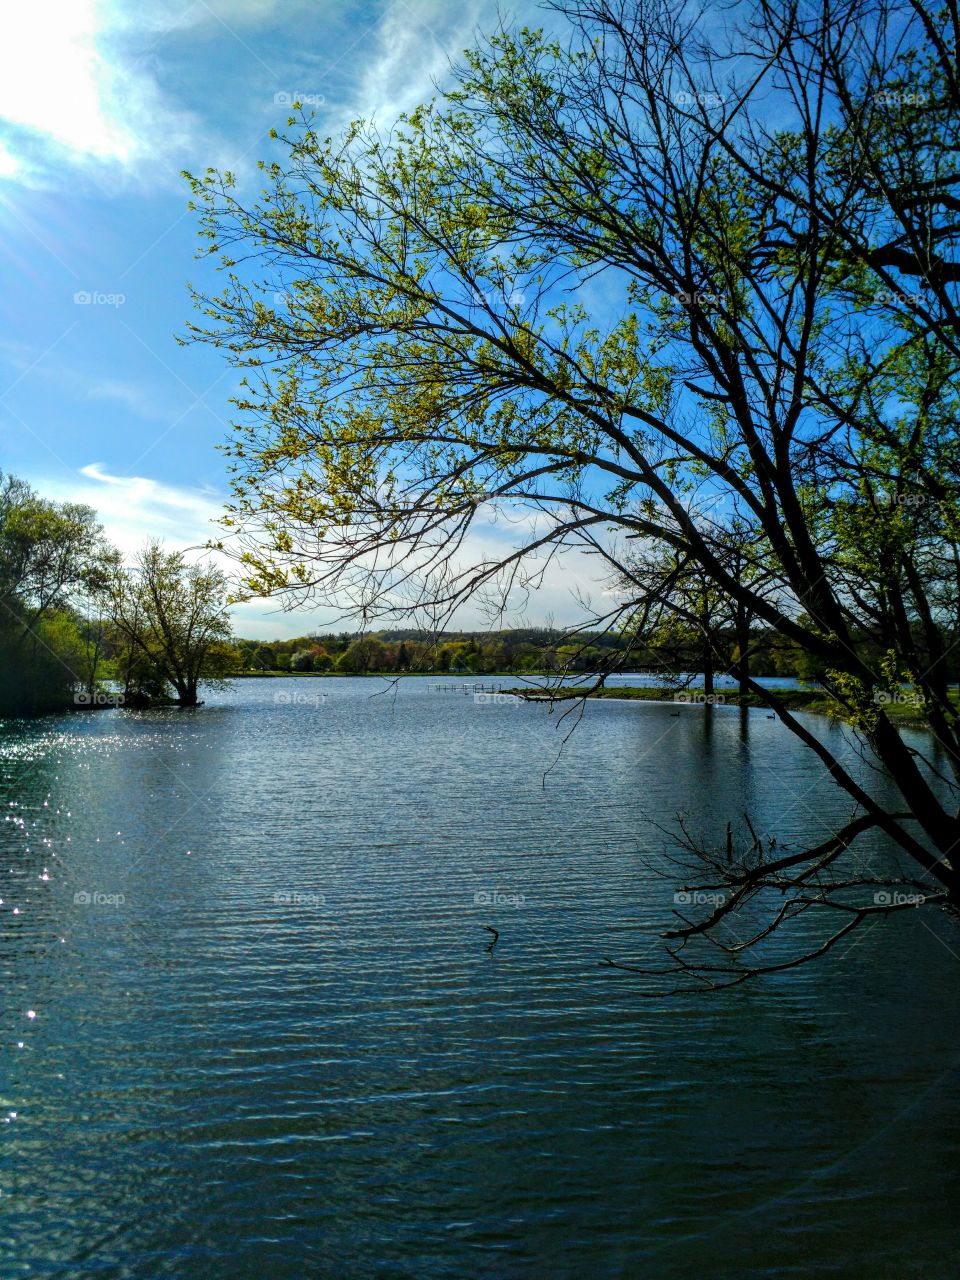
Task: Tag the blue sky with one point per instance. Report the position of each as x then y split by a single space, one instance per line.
102 104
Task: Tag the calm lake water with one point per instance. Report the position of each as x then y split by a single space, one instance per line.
251 1026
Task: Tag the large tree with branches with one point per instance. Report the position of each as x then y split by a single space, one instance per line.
765 199
171 621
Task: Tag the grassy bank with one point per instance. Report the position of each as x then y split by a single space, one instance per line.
813 700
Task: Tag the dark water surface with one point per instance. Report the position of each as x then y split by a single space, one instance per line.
251 1027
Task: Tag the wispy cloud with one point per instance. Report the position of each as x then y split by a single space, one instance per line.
133 396
147 400
413 46
135 508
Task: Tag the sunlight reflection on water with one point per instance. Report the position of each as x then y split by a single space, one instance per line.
252 1024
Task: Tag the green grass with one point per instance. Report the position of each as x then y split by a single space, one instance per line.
813 700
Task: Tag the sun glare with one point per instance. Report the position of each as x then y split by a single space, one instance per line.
51 78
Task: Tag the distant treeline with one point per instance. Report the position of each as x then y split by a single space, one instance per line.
527 650
78 627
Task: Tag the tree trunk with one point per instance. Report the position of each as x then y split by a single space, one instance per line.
742 638
707 667
186 692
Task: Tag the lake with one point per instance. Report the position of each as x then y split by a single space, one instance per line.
251 1025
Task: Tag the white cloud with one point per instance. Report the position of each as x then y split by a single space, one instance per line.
135 508
86 85
557 585
167 15
100 88
414 45
71 96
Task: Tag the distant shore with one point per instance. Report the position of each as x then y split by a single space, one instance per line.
809 699
812 700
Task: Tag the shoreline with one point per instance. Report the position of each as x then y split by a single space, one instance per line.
814 701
